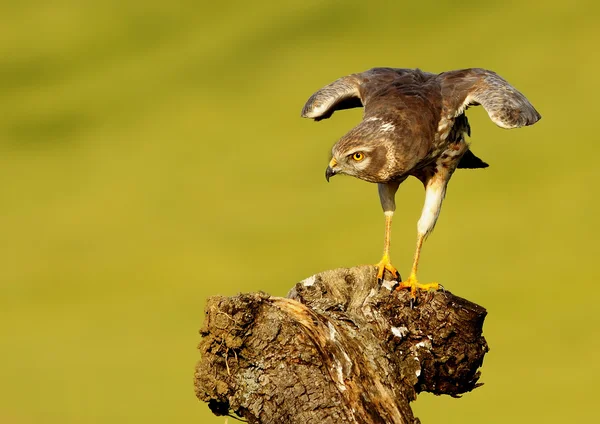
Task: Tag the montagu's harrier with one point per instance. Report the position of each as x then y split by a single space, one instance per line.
414 123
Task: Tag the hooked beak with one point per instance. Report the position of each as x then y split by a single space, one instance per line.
329 172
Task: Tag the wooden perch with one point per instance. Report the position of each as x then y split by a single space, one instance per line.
340 348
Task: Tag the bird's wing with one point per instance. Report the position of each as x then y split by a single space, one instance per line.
352 91
343 93
506 106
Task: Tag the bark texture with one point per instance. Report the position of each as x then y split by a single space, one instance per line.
341 348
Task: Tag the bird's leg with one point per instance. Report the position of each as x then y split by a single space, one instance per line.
385 262
412 283
435 190
387 193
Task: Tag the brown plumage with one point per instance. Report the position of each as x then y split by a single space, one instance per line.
414 123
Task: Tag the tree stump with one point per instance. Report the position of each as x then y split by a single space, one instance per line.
341 348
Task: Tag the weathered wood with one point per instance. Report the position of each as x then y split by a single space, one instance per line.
340 349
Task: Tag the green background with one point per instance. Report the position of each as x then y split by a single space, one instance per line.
152 154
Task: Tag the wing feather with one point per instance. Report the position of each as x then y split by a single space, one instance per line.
505 105
343 93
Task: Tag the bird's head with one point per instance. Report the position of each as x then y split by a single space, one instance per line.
360 158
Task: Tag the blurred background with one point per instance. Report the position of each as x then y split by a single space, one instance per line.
152 154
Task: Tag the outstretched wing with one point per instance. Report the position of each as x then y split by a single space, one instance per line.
505 105
356 90
341 94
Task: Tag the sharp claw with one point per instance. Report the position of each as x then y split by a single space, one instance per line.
385 265
415 286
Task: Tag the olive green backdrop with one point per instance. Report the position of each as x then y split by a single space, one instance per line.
152 154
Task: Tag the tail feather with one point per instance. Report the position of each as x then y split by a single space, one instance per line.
470 161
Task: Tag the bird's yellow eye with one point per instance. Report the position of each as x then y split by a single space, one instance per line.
358 156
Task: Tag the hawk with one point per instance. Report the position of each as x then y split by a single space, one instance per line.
414 124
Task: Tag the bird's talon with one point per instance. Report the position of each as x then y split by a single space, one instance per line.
385 265
413 285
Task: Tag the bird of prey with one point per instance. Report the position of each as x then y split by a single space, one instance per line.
414 123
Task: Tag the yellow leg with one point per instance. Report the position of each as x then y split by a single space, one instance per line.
385 261
412 283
